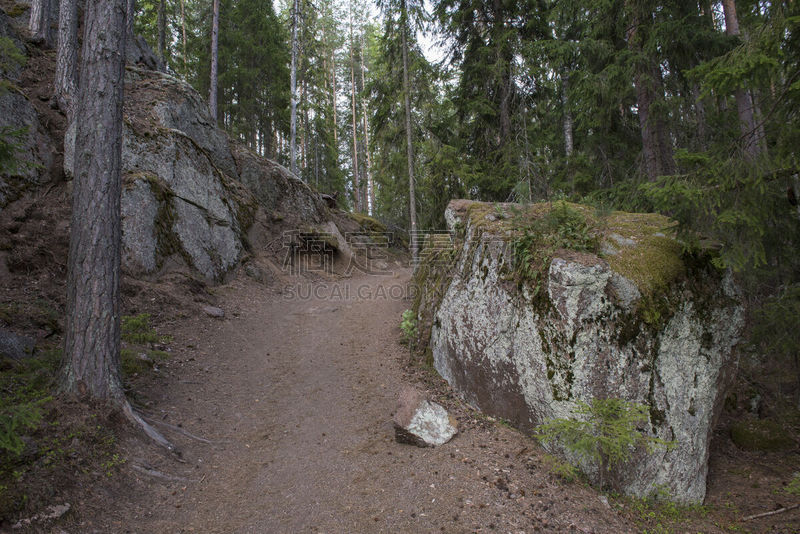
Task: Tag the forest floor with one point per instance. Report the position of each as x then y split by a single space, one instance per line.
282 413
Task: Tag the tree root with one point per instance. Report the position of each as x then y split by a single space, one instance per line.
158 474
180 430
149 431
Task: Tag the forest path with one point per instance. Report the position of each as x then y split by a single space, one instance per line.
296 393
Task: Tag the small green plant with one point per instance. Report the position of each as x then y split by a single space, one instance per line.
112 463
561 227
409 327
563 470
136 329
139 353
15 419
606 431
793 487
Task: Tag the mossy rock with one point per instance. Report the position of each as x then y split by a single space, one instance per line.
368 223
760 435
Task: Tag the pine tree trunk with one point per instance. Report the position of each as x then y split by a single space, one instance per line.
41 21
183 30
293 89
92 346
66 78
412 204
656 144
333 88
568 137
356 189
753 141
131 17
162 33
304 106
370 186
212 91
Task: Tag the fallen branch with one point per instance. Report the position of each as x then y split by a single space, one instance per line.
773 512
158 474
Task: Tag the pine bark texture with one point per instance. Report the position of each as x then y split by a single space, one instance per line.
66 78
131 17
293 90
212 91
412 204
656 142
370 196
162 33
92 345
41 21
568 132
183 31
356 188
752 136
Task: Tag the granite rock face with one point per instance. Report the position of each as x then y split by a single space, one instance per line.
17 114
183 196
645 324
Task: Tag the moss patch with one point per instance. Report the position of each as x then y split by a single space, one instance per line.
639 246
368 223
760 435
656 258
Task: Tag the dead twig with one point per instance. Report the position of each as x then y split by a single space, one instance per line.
773 512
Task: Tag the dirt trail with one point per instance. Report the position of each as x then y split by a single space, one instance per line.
296 396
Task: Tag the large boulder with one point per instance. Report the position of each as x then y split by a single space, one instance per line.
525 338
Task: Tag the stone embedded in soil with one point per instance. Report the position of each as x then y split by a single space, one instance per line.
213 311
14 346
421 422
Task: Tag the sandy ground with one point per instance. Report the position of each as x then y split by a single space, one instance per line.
295 397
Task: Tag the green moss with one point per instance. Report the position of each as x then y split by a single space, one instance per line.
760 435
368 223
16 10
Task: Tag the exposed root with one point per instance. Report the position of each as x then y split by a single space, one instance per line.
151 432
158 474
180 430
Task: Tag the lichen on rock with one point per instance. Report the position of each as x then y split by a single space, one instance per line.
525 339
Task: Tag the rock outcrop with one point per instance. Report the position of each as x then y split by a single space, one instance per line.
188 194
525 336
18 116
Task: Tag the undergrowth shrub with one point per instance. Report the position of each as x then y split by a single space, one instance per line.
605 431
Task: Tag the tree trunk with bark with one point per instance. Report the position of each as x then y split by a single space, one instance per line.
356 188
370 196
183 30
656 143
293 89
212 91
752 135
131 16
412 204
41 21
92 345
568 133
66 79
162 34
